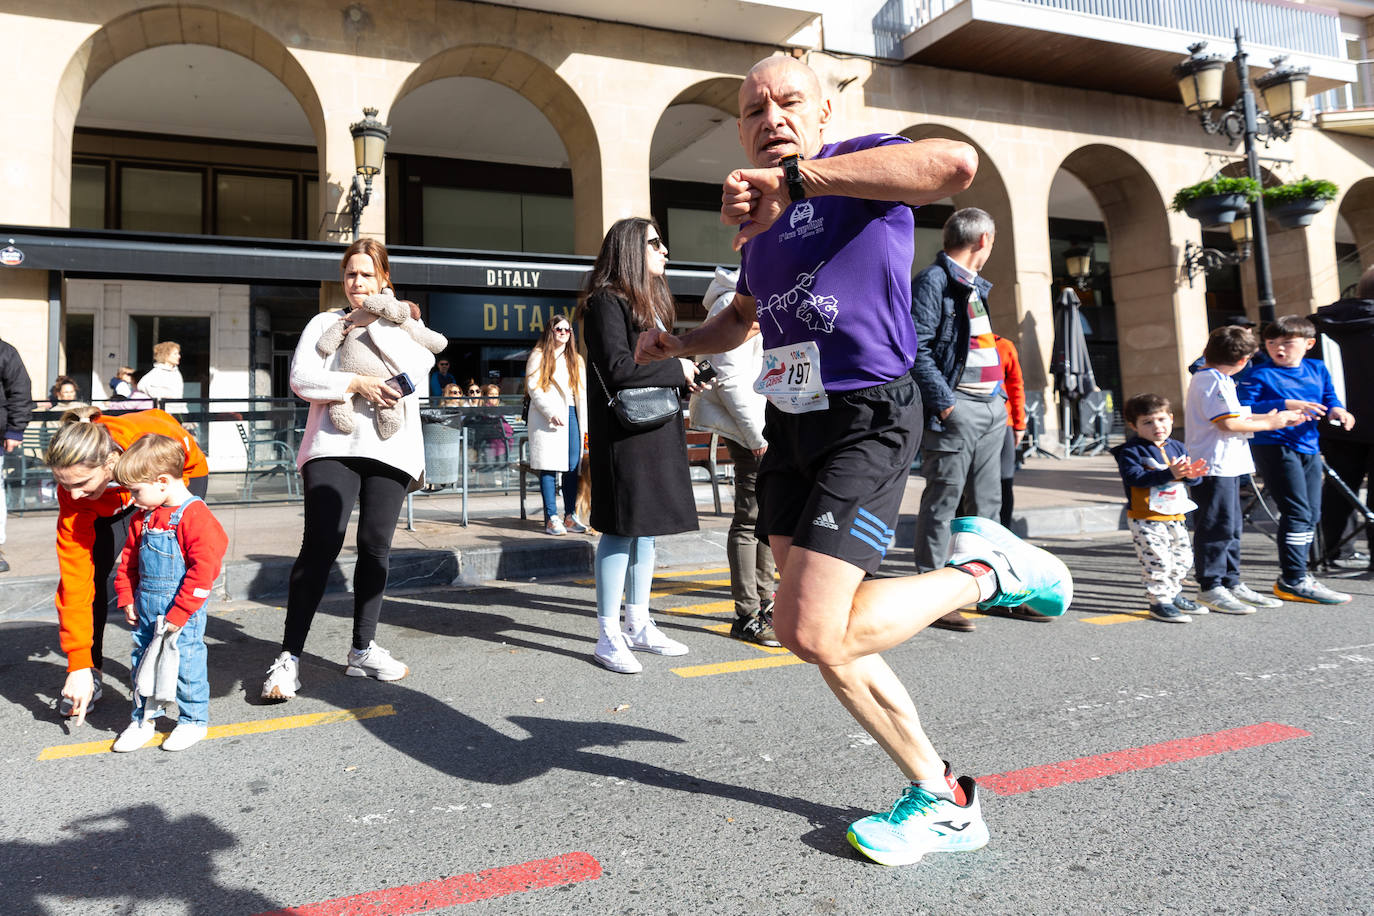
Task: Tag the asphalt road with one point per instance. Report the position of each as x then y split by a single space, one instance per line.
510 774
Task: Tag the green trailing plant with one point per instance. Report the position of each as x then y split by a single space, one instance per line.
1304 189
1215 186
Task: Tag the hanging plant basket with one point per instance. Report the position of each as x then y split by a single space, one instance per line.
1295 214
1220 209
1216 201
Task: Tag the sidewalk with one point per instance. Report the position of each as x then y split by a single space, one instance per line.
1053 498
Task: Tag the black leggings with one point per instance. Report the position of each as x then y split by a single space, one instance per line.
111 531
332 487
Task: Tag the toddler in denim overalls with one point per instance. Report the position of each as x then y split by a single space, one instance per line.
169 564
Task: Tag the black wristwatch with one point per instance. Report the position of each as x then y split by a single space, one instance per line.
792 171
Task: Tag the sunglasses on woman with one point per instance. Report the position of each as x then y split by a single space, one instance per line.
656 244
563 330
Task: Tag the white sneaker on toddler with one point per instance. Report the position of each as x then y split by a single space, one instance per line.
184 735
139 733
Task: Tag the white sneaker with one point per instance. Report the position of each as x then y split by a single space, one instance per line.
135 736
283 679
64 708
374 661
184 735
1242 592
613 652
1222 601
651 639
554 526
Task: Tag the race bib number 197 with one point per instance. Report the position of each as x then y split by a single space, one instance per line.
791 378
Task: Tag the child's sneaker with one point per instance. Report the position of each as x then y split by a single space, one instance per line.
1025 574
651 639
1309 590
1245 593
1188 605
64 708
920 823
184 735
374 661
139 733
283 679
1222 601
613 652
1169 613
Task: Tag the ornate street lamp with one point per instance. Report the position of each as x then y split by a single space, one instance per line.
369 150
1197 259
1079 262
1285 91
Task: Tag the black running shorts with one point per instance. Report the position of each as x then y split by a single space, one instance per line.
833 479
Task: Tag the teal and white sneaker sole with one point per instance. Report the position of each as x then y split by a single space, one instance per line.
976 838
1042 581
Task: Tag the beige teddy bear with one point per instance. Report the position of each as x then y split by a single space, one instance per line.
358 355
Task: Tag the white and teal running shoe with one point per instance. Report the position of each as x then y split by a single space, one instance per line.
1025 574
920 823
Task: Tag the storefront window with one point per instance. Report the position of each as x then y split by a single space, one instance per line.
496 220
160 200
88 196
192 332
253 206
698 235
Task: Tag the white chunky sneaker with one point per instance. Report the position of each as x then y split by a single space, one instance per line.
613 652
374 661
135 736
1221 600
1242 592
283 679
651 639
184 735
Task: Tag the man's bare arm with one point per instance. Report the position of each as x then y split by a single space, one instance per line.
726 330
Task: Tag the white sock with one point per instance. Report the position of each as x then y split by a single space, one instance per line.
636 617
610 626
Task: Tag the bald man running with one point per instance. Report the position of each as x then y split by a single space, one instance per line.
826 243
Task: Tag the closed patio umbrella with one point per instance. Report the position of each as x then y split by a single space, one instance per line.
1069 362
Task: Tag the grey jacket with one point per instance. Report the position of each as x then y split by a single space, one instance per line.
731 407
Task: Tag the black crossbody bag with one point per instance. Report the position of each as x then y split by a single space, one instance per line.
640 409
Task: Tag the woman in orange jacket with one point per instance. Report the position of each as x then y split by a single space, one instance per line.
92 524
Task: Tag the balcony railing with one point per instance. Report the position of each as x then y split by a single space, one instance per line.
1287 26
1356 95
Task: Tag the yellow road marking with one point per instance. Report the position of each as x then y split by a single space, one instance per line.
1117 618
747 664
725 628
701 610
688 585
232 730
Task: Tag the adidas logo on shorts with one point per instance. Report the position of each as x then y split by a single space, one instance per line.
826 521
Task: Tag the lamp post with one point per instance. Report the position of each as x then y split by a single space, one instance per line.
369 150
1285 91
1078 260
1197 259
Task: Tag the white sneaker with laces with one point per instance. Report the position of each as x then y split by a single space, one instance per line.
139 733
1242 592
1221 600
184 735
283 679
651 639
613 652
554 526
64 708
374 661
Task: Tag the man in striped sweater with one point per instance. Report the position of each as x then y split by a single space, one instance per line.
959 373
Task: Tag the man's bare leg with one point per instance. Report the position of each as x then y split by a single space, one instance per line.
828 615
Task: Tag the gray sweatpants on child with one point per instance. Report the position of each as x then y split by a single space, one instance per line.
1166 556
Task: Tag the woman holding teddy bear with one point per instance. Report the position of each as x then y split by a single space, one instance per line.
362 446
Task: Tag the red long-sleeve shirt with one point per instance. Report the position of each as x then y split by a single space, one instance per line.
1014 383
202 541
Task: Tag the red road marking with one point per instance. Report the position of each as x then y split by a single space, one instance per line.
1139 758
569 868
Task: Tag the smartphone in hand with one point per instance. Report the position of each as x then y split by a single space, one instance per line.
402 383
705 372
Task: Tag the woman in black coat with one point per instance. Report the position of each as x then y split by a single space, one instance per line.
641 484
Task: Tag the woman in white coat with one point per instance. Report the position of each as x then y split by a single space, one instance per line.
341 470
556 382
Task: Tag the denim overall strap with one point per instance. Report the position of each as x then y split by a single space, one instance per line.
161 569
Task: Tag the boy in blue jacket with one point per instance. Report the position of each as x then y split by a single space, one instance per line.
1157 473
1289 460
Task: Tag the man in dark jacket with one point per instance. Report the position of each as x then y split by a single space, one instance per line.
1350 323
959 373
16 404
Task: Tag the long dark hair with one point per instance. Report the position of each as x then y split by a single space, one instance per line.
619 269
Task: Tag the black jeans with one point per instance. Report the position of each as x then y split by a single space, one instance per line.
332 487
1217 526
1294 481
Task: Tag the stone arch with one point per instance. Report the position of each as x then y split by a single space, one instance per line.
1357 206
152 27
541 85
1144 267
720 92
